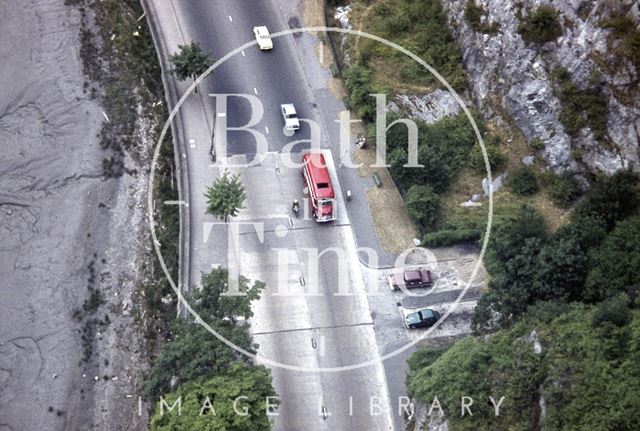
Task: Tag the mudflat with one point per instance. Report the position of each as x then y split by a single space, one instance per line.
65 232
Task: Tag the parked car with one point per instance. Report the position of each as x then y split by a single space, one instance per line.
411 279
290 116
424 318
262 36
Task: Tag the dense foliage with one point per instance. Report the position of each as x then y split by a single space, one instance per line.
587 371
564 190
209 404
195 361
422 205
541 25
590 259
522 181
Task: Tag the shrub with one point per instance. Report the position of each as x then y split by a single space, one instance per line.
542 25
473 14
625 29
358 81
422 205
496 158
446 237
581 107
564 190
522 181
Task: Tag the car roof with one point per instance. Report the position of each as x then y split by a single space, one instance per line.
288 108
262 29
427 313
413 275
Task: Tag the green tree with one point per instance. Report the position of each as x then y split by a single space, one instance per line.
226 196
248 386
616 262
215 302
190 62
611 198
564 261
422 205
512 260
194 353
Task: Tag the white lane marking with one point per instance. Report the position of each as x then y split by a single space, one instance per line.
230 19
255 90
243 54
192 143
266 129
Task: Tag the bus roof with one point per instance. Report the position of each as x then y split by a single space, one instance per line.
319 175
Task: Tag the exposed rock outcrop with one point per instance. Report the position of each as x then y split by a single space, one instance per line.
503 68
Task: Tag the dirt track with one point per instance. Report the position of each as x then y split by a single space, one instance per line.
58 219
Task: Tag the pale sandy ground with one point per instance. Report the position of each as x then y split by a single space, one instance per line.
57 214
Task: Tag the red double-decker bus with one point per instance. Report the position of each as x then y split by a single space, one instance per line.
322 199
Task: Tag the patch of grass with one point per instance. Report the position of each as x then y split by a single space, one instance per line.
420 27
541 25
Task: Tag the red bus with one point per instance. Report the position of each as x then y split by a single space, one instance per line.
322 200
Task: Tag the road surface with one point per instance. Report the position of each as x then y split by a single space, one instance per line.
310 331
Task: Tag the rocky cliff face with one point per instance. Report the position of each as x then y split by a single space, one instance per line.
508 75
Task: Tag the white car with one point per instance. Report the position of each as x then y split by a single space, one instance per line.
262 36
290 116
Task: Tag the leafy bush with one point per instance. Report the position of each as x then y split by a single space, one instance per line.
522 181
473 15
564 190
581 107
542 25
496 158
358 82
446 237
444 149
422 205
456 231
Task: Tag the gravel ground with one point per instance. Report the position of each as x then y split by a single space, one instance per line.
63 229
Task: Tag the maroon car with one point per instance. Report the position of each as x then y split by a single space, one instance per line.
410 279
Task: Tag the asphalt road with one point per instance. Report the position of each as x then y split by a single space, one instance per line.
299 331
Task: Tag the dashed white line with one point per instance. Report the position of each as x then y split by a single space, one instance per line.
266 129
230 19
255 90
243 54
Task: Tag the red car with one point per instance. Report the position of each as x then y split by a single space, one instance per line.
411 279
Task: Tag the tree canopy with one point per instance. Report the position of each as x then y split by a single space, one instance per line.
209 404
226 196
190 62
